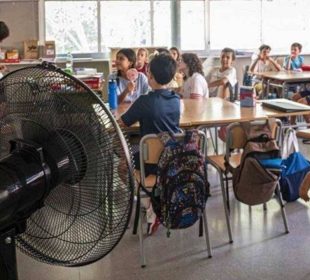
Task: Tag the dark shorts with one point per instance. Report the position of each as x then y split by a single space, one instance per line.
149 168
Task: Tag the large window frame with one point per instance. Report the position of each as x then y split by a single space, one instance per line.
176 25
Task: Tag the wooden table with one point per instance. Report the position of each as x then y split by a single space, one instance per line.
211 112
283 79
216 112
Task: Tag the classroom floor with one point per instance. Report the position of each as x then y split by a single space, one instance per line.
260 250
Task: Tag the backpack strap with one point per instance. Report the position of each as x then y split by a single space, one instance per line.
191 136
166 138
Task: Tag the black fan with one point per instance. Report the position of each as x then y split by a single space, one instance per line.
61 198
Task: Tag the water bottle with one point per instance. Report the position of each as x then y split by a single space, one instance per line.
112 94
69 63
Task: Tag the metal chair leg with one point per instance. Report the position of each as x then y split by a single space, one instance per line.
205 223
279 195
142 253
225 207
227 191
265 206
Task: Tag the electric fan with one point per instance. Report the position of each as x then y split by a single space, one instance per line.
62 200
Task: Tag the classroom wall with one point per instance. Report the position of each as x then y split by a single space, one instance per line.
22 18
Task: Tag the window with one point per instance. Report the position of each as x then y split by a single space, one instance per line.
192 25
284 24
74 24
91 25
246 24
235 24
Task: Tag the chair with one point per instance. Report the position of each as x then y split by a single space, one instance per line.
235 142
305 135
150 148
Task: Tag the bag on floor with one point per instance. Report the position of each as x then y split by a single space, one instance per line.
181 190
295 167
252 182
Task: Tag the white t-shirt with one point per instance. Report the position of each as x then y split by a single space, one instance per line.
216 74
195 84
260 67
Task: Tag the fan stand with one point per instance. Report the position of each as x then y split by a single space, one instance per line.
8 268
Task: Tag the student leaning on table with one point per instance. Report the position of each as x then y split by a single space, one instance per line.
195 85
128 91
294 61
4 33
157 111
262 63
221 78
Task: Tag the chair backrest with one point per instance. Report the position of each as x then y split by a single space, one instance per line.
233 92
236 138
247 77
151 147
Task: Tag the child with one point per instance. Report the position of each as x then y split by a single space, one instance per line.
142 55
128 91
195 85
263 63
295 60
302 97
156 112
178 78
175 53
223 77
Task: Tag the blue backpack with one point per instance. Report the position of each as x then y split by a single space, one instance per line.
295 167
180 194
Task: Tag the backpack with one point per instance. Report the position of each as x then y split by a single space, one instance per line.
180 194
252 182
295 169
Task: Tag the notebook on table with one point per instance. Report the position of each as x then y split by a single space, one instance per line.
285 105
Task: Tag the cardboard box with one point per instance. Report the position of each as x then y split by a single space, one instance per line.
31 50
49 50
12 55
247 96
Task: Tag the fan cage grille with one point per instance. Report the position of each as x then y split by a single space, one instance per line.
82 222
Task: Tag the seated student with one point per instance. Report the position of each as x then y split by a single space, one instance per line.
295 60
142 56
128 91
4 33
195 85
262 63
221 78
157 111
176 55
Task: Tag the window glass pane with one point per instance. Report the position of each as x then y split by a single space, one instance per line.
235 24
128 26
286 23
73 25
192 25
162 23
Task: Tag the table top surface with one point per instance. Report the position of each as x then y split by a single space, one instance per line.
287 75
216 111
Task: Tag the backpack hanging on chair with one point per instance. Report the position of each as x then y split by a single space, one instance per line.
252 182
181 190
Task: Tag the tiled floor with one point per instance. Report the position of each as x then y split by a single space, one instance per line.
260 250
